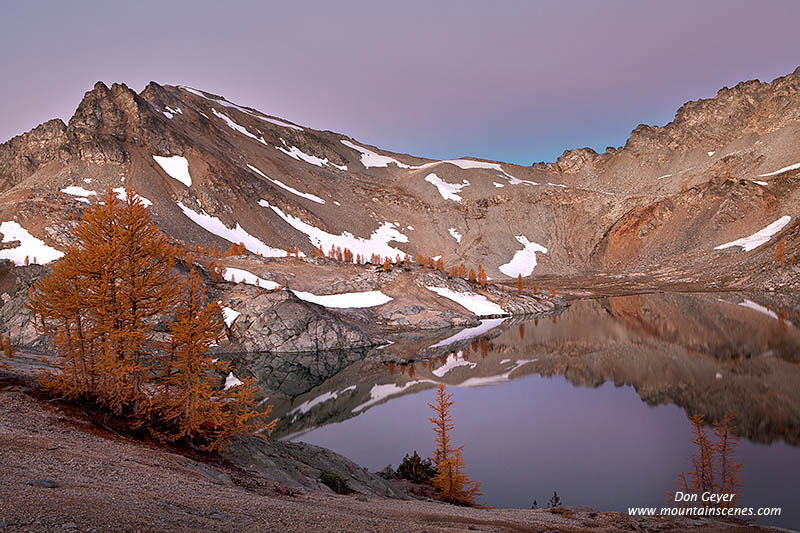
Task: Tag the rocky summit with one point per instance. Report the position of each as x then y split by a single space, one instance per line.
700 203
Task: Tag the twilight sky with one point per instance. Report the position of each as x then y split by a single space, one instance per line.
508 80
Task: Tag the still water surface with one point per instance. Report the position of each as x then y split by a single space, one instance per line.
592 404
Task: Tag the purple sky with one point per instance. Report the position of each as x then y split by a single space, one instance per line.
515 81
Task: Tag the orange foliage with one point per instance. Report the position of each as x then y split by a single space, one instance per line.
387 265
472 278
236 249
215 271
780 253
482 278
451 482
7 349
519 283
440 265
101 305
714 463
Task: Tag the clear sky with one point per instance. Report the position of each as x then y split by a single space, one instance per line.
515 81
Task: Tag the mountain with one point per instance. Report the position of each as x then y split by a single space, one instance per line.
214 172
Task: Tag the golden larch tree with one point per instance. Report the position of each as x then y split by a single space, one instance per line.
780 253
451 481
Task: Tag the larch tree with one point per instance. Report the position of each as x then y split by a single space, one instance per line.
101 305
7 349
714 465
107 291
482 277
519 284
450 481
780 253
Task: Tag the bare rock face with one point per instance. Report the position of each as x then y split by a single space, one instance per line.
23 155
298 464
15 318
279 322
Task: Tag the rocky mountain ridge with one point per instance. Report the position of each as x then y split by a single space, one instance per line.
665 196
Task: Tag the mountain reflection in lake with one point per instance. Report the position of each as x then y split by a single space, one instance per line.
592 404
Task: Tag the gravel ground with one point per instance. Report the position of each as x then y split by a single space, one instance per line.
60 472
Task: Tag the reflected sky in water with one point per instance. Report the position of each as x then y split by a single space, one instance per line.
555 420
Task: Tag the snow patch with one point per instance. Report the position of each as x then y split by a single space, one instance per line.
524 261
122 196
760 308
476 303
758 238
237 127
760 182
456 235
230 104
235 235
373 159
176 167
77 191
243 276
781 171
498 185
29 246
307 196
711 153
230 315
232 381
665 176
296 153
346 300
447 190
557 185
377 243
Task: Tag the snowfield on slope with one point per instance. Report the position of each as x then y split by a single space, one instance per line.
377 243
228 103
296 153
238 275
476 303
524 261
307 196
345 300
229 315
449 191
81 193
371 159
176 167
758 238
122 196
781 171
235 235
235 126
29 246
